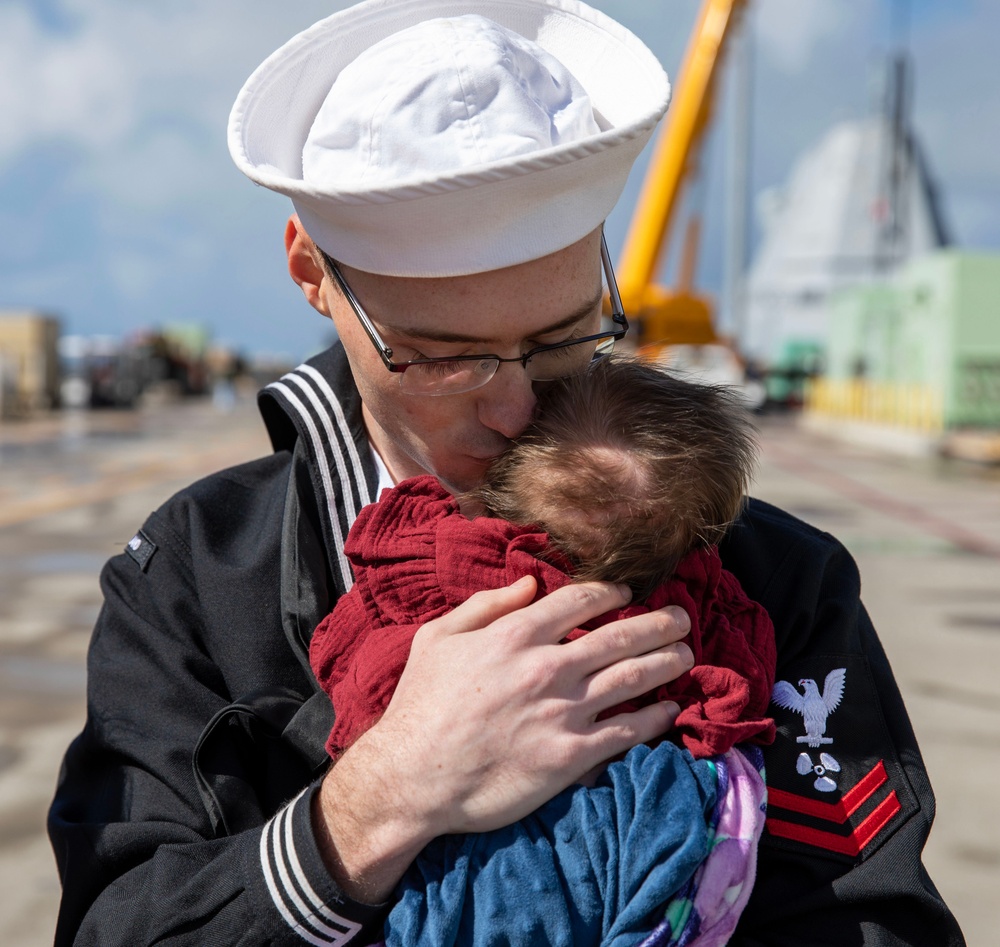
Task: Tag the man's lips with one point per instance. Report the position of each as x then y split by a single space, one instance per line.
487 456
482 454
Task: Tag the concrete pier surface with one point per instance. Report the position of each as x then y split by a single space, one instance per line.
926 534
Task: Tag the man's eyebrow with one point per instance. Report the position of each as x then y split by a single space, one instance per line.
430 335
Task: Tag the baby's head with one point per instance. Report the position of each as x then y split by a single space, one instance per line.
627 469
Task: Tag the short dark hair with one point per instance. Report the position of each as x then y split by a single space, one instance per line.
628 468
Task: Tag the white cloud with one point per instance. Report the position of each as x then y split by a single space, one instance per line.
151 171
132 274
790 30
141 91
95 82
58 87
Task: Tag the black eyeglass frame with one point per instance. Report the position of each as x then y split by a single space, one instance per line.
617 316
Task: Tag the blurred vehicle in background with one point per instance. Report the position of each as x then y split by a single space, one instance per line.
107 372
99 372
786 377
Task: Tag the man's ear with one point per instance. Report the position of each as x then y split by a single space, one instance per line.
303 265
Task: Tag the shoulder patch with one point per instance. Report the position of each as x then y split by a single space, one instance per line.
141 548
834 782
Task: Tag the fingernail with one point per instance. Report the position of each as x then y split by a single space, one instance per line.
626 592
673 707
686 654
680 616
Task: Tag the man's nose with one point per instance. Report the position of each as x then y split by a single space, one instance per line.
507 402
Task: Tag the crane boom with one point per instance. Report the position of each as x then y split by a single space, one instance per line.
680 316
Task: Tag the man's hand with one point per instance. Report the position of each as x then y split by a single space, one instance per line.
491 718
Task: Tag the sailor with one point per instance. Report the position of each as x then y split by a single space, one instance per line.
450 165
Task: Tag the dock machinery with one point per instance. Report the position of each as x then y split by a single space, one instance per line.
678 315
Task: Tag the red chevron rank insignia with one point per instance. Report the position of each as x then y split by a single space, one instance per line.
834 782
838 813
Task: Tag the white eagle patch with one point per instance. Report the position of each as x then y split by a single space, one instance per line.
813 706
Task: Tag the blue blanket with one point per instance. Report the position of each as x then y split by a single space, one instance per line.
593 866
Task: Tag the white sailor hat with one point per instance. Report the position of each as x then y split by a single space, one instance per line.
446 137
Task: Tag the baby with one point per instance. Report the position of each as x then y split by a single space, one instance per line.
627 469
627 475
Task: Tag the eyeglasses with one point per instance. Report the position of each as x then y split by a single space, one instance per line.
454 376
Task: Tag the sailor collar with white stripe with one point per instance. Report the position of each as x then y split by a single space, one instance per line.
318 405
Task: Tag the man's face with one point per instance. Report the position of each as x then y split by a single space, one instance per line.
503 312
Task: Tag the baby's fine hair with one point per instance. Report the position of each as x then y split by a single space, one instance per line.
627 468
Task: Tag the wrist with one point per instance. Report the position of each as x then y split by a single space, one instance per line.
367 831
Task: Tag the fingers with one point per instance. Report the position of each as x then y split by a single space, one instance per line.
483 608
543 622
551 618
631 637
620 733
631 677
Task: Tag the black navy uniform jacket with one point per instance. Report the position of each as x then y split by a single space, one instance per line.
182 811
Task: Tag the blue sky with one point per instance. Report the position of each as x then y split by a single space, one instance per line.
120 208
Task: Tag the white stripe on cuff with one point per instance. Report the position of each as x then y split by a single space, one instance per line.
294 897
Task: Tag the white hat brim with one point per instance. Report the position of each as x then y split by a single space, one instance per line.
519 208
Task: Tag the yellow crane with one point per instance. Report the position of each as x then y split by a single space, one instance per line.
677 315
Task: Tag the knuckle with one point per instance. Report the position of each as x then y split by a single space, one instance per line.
480 597
631 676
425 632
624 733
615 637
543 670
582 595
668 624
